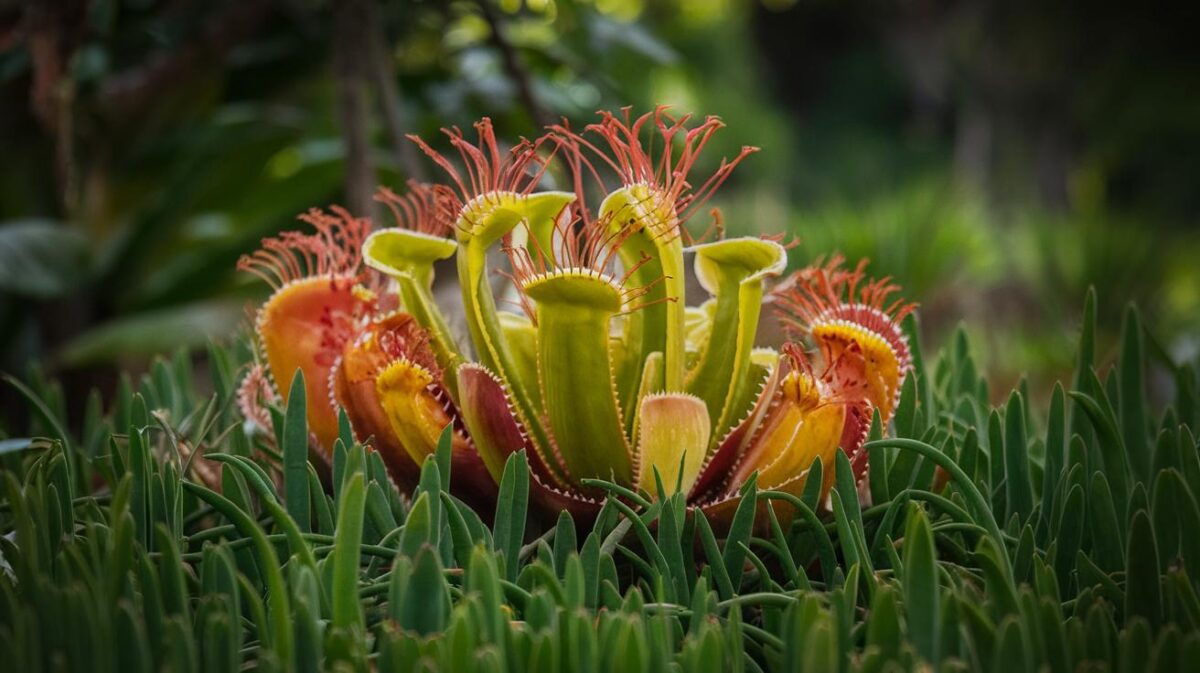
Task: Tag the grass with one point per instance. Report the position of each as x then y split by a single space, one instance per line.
167 534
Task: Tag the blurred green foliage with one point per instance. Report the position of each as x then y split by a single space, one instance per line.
997 158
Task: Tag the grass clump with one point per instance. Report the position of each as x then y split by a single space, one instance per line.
169 534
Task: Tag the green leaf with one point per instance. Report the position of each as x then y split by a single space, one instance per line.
883 623
431 483
279 637
425 607
713 555
995 440
1166 511
484 580
979 506
1187 517
418 527
1012 650
1131 402
251 472
321 503
347 613
921 592
1070 533
672 549
508 532
1112 446
1055 452
565 542
444 453
739 533
295 454
1018 486
1090 576
906 409
1085 361
1108 538
1143 593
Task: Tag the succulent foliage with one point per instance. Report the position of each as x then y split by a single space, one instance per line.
171 533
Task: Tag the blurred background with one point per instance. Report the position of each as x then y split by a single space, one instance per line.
995 157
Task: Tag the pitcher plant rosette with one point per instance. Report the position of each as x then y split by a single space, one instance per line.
601 371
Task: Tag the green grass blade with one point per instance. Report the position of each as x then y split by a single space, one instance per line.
509 529
1018 486
1143 592
1131 401
347 613
280 635
295 454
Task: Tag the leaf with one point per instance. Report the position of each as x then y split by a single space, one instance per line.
660 568
672 550
1070 533
431 484
564 541
883 623
877 463
1143 593
887 527
996 465
483 578
657 264
295 454
713 555
347 613
906 409
1108 538
45 413
418 527
1018 486
979 506
425 607
1012 650
739 533
1131 402
444 454
379 512
508 533
1112 448
174 586
589 556
1055 452
279 638
321 503
921 593
1085 361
